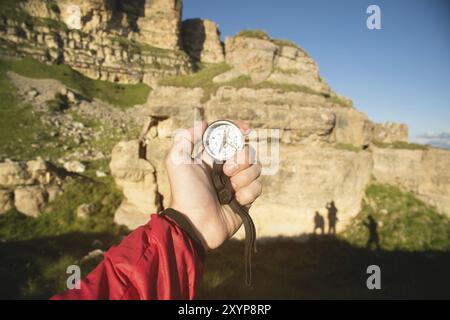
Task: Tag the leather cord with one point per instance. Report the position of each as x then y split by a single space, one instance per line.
225 194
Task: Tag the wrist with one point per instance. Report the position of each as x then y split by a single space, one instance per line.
186 224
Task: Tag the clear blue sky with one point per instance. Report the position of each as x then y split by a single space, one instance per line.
400 73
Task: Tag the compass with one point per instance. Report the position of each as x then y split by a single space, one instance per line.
222 140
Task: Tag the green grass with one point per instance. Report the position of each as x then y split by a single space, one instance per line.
121 95
401 145
348 147
22 134
258 34
404 222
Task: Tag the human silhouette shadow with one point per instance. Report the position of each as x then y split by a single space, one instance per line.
374 239
332 217
319 223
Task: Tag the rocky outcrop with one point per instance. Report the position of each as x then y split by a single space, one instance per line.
101 47
268 60
390 132
136 177
353 127
153 22
423 172
201 40
158 22
28 186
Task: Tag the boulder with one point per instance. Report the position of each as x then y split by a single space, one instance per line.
29 200
136 177
13 174
74 166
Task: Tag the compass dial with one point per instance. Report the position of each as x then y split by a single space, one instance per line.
222 140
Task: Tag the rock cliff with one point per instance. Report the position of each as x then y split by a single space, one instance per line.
328 149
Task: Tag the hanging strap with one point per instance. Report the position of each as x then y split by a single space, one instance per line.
225 194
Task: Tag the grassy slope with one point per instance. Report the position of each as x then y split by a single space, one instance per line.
20 126
122 95
404 222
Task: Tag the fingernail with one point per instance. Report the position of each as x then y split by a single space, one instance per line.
231 167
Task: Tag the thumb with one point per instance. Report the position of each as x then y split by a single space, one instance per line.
184 141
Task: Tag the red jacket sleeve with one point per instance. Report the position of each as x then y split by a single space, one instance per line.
156 261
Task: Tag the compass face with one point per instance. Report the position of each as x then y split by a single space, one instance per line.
222 140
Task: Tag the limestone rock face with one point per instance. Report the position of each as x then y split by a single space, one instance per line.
266 60
201 40
424 172
353 127
159 25
302 118
86 15
251 56
136 177
122 41
174 107
390 132
307 179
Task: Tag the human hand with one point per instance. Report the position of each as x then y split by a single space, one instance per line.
192 191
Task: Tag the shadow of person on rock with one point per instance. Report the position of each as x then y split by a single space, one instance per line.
319 223
332 217
374 239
